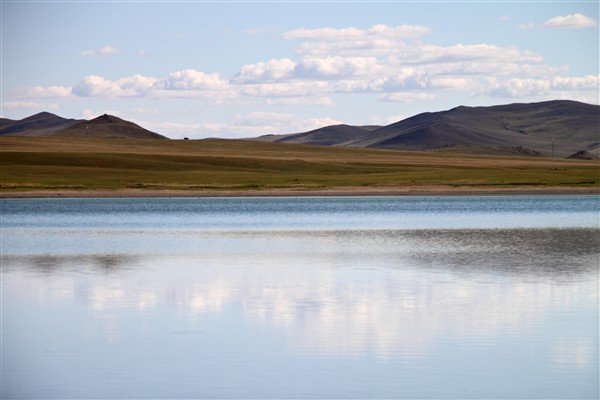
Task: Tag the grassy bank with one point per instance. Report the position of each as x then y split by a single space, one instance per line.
80 164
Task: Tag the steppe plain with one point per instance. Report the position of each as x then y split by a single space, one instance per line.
97 167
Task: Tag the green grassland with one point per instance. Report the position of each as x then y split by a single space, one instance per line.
29 164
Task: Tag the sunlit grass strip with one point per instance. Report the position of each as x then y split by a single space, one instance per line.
79 164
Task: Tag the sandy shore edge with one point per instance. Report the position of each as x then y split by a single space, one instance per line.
338 191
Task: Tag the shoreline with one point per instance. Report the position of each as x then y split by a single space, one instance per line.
330 192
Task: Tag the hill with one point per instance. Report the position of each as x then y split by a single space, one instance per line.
559 126
108 126
48 124
327 136
42 124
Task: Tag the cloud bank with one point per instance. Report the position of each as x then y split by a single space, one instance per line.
392 63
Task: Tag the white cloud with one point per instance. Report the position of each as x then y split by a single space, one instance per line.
285 89
572 21
578 87
334 67
97 86
275 69
428 54
332 62
136 84
377 40
102 51
15 105
588 82
453 83
397 32
337 67
300 101
191 79
407 97
187 83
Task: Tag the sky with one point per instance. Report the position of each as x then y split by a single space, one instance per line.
244 69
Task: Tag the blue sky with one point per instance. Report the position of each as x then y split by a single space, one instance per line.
243 69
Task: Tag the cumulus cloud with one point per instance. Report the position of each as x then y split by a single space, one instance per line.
102 51
572 21
519 88
333 62
97 86
274 69
300 101
337 67
588 82
285 89
191 79
379 39
186 83
334 67
379 60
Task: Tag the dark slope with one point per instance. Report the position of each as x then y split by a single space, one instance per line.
574 126
108 126
334 135
5 123
42 124
526 129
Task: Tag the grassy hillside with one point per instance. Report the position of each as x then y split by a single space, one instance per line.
559 127
55 163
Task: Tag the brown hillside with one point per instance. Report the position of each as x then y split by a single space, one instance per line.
108 126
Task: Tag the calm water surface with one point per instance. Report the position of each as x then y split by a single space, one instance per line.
387 297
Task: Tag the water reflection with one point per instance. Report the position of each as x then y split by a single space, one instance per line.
382 294
183 312
50 264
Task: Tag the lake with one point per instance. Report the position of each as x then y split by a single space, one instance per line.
317 297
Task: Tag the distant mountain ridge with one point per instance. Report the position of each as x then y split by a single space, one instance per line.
48 124
560 126
41 124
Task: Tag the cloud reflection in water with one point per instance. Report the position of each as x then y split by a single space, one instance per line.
381 294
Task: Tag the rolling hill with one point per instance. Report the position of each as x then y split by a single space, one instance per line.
559 126
48 124
327 136
108 126
42 124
